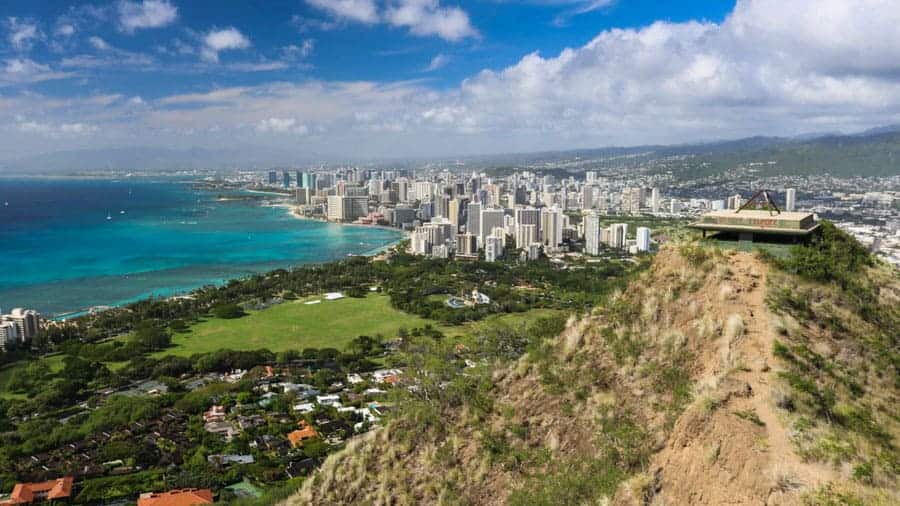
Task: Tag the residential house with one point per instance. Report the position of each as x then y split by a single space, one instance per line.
181 497
30 493
303 434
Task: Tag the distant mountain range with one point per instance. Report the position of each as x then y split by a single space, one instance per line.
875 152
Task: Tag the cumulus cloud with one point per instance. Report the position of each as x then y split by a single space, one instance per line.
361 11
146 14
421 17
770 67
427 17
22 33
225 39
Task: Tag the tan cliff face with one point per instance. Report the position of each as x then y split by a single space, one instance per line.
670 394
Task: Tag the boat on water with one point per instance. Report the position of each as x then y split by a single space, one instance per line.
122 211
108 216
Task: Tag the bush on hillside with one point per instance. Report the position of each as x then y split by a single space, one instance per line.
228 311
832 255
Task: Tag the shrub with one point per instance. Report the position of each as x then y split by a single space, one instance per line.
228 311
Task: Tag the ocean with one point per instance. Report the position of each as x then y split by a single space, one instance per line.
67 245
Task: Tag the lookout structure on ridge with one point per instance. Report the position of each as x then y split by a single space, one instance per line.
765 222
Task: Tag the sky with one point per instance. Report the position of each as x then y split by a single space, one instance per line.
417 78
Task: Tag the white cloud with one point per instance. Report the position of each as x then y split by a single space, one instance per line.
99 44
577 8
225 39
22 33
281 125
304 50
24 70
263 66
427 17
766 69
361 11
146 14
55 130
65 30
437 62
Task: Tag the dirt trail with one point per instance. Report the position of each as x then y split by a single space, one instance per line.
730 446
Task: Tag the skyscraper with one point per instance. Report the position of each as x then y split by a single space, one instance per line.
643 239
592 234
273 177
286 179
551 227
790 199
587 197
490 219
493 248
453 207
473 218
654 200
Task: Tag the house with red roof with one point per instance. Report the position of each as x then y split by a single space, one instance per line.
29 493
180 497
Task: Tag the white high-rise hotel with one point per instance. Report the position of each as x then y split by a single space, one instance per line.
790 199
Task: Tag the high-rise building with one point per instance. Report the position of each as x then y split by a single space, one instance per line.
526 235
473 218
587 197
424 190
643 239
654 200
675 206
453 213
618 233
9 336
347 208
286 179
551 227
592 234
528 216
490 219
466 245
790 199
735 201
442 206
633 199
402 187
493 248
309 181
273 177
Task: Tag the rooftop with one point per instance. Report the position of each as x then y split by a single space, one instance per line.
27 493
182 497
758 221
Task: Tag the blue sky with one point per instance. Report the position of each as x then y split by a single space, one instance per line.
338 48
438 77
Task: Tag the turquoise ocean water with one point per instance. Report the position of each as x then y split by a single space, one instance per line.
60 254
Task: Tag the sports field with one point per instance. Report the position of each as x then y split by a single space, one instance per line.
296 325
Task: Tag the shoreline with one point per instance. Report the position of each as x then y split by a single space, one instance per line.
175 293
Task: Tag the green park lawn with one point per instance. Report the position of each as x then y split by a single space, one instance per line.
295 326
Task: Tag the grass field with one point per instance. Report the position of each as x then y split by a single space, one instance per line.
295 325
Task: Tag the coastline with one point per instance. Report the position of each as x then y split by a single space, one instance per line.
68 312
292 210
